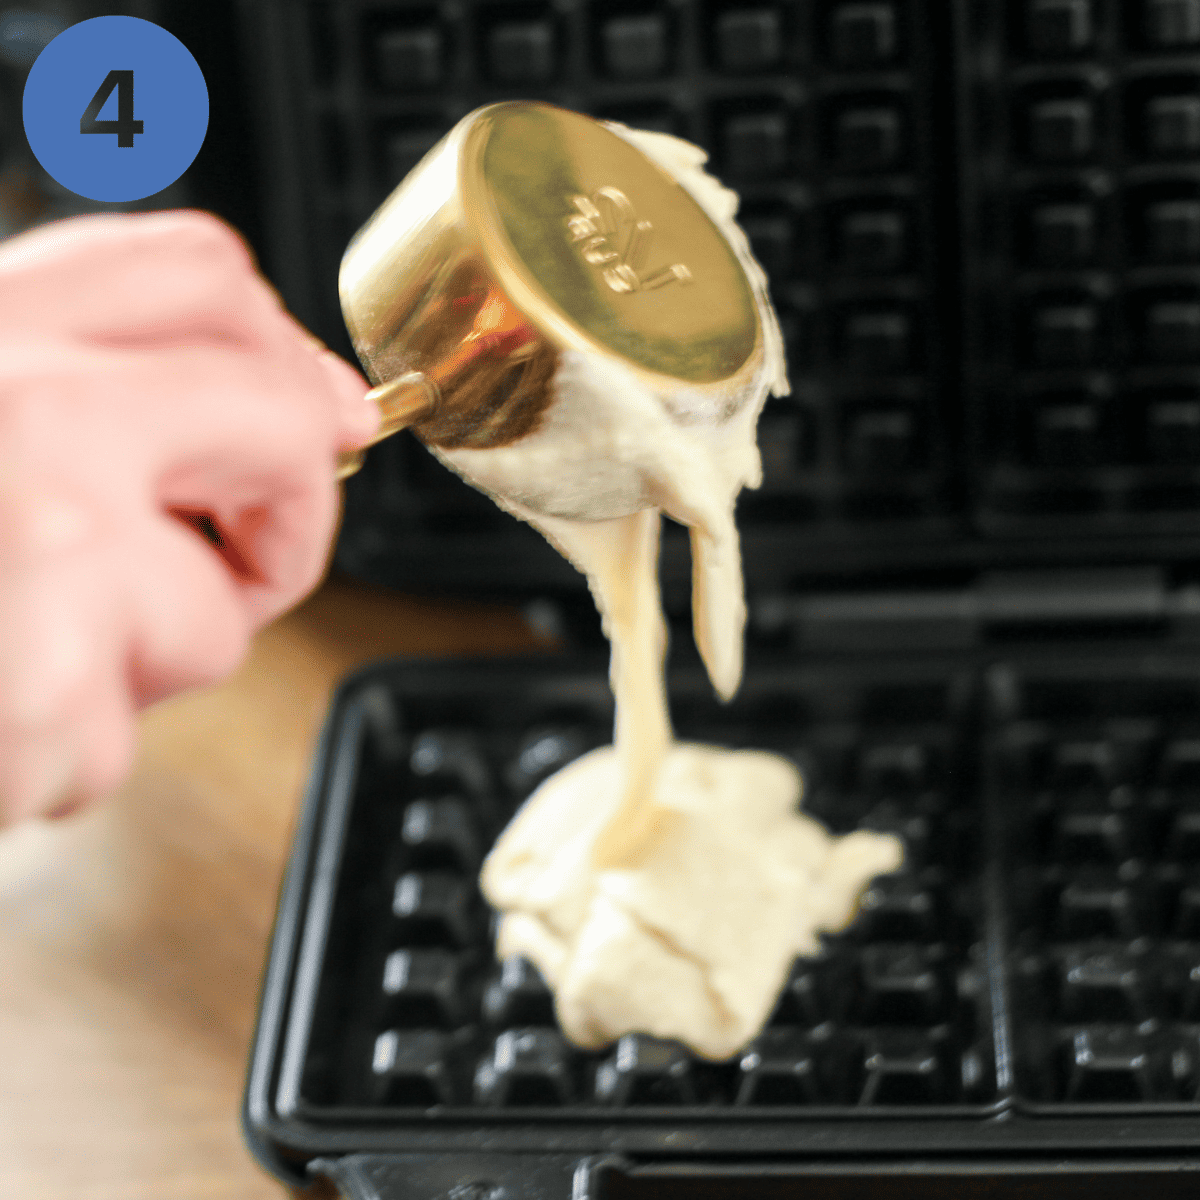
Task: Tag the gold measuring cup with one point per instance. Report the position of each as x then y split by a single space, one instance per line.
526 232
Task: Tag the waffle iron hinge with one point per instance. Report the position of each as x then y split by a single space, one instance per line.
997 606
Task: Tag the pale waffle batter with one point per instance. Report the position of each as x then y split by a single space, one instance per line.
661 887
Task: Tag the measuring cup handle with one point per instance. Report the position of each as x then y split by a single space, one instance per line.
402 401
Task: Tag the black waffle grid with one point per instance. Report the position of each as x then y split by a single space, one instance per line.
1080 163
414 1017
1098 778
1039 952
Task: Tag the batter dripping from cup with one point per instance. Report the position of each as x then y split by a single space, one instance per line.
659 887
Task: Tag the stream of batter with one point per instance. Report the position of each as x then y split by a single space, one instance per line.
663 887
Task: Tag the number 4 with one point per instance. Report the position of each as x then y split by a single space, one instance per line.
124 126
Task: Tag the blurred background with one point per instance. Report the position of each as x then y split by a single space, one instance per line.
981 222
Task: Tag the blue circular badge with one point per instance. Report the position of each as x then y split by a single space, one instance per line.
115 108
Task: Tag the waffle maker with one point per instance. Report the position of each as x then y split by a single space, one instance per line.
974 581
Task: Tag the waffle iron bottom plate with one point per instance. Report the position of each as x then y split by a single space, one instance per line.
1018 1008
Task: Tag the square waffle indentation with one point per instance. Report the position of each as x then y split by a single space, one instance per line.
1055 27
755 140
636 45
646 1070
522 46
1172 229
1062 129
434 909
422 989
1172 125
1064 233
1173 429
1070 430
869 136
411 1068
403 146
1064 331
864 34
882 440
411 56
1168 321
779 1067
878 340
749 39
874 240
525 1067
1171 24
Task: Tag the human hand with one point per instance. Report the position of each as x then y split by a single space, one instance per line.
150 382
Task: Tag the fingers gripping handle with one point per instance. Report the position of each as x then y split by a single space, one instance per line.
402 401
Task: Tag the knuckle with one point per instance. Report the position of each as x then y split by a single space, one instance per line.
208 233
197 242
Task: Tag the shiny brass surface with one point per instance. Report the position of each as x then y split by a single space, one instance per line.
529 230
404 400
349 462
604 249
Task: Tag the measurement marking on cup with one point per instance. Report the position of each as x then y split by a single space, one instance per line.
609 235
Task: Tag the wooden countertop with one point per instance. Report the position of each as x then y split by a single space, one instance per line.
132 937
